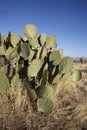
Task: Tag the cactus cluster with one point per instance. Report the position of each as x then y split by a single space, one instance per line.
35 58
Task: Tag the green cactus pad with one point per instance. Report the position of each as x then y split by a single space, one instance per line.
30 30
51 42
77 75
2 50
38 52
9 52
43 53
57 79
25 39
55 57
2 61
45 105
67 77
3 39
44 79
34 67
42 38
61 52
31 55
25 50
65 65
4 69
46 91
4 82
14 39
11 71
13 54
34 43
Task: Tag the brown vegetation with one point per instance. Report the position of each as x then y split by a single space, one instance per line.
18 113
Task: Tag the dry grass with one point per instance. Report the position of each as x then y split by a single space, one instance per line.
70 112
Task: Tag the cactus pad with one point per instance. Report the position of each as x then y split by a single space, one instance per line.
30 30
77 75
25 39
4 69
34 43
44 78
45 105
61 52
42 38
2 50
34 67
51 42
13 54
46 91
57 79
3 39
8 52
31 55
2 61
4 82
14 39
67 77
24 50
55 57
65 65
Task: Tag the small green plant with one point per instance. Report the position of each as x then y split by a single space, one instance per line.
35 58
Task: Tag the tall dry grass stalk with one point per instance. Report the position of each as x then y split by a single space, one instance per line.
70 113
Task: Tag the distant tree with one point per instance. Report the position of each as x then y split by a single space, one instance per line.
81 60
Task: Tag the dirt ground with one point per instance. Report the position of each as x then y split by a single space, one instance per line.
70 112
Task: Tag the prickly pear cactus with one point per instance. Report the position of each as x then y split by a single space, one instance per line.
42 53
9 51
2 61
14 39
65 65
36 59
2 50
44 79
13 54
30 30
4 69
34 43
77 75
51 42
57 78
34 67
55 57
4 82
25 50
45 105
31 55
43 38
61 52
25 39
46 91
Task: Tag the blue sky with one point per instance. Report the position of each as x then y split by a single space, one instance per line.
66 19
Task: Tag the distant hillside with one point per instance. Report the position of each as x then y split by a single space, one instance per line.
78 58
